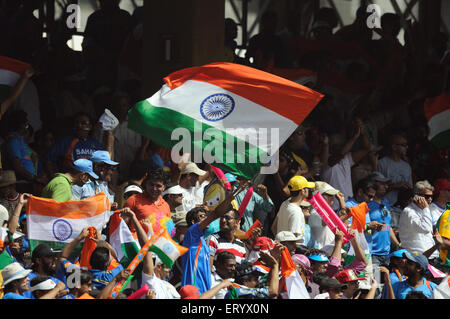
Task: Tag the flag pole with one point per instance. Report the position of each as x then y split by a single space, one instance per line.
135 262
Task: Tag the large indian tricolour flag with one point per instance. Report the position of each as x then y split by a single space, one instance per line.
437 113
58 223
224 106
10 72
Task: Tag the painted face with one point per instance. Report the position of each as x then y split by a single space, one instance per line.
214 195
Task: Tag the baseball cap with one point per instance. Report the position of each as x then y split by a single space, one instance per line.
179 218
263 243
305 203
189 292
441 184
398 253
325 188
246 268
299 182
84 166
378 177
347 275
44 250
132 188
177 189
102 157
231 178
327 283
318 257
192 168
287 236
417 258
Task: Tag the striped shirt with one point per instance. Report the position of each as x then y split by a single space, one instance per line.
217 244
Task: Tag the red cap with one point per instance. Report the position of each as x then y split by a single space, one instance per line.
189 292
441 184
263 243
347 275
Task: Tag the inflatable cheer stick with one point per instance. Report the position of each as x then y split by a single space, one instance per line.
322 214
219 173
139 293
333 216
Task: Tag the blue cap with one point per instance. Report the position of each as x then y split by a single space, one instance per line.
22 217
417 258
398 253
318 257
85 166
102 156
231 178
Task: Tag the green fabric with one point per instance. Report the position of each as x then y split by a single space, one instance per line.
59 188
158 124
5 259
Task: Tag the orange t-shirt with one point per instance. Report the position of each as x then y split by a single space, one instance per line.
144 208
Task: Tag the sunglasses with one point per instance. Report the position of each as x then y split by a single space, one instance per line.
427 196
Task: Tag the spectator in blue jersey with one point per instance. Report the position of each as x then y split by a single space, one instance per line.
70 148
416 267
397 268
18 153
43 287
379 211
195 263
15 281
103 166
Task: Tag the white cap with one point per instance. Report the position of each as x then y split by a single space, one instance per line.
132 188
286 236
45 285
177 189
193 168
325 188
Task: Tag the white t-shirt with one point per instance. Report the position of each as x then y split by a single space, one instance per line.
322 234
191 198
215 280
163 289
340 175
396 172
291 218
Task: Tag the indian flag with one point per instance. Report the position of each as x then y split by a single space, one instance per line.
58 223
167 250
10 72
437 113
122 241
232 115
295 287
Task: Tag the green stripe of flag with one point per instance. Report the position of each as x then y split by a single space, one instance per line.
130 250
157 123
164 258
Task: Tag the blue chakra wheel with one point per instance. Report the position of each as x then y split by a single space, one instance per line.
62 230
216 107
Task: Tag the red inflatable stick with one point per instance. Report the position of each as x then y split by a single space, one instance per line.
245 201
220 174
329 216
256 224
139 293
